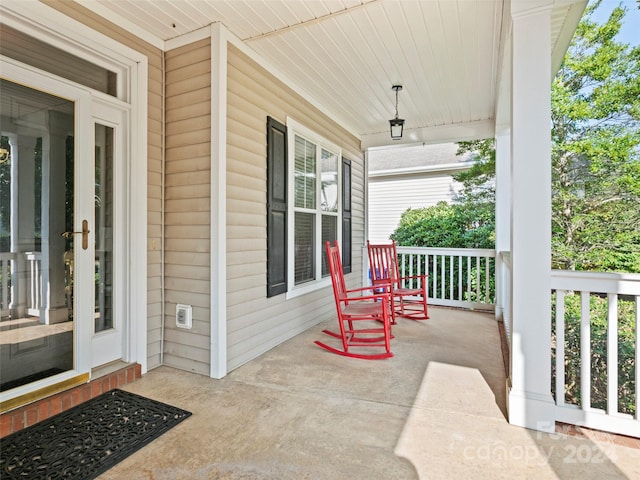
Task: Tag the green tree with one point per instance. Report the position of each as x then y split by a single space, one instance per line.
467 223
595 150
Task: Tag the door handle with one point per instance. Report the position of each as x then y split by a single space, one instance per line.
85 234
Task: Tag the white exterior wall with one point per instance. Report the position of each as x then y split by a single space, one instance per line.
390 196
256 323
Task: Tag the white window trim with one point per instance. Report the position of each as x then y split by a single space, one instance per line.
296 128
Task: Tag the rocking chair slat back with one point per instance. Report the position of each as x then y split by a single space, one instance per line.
409 293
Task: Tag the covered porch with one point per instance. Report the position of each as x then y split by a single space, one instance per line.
296 410
435 410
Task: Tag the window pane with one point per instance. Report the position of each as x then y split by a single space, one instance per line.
329 187
18 45
304 247
104 141
329 234
305 173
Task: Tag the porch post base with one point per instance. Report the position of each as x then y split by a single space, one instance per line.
531 410
55 315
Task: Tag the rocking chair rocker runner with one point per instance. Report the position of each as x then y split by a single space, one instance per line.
364 320
409 293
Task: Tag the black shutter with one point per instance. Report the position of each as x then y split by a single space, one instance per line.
346 215
276 207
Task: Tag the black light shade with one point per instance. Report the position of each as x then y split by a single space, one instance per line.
396 125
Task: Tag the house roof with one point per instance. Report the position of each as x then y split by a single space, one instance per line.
451 56
417 158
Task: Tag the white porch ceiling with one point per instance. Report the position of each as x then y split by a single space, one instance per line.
345 55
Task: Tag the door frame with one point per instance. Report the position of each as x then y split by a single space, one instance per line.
131 66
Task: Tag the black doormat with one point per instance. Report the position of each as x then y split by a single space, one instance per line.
88 439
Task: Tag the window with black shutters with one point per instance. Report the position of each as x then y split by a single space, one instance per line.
308 204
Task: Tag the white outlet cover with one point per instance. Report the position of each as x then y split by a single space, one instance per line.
183 316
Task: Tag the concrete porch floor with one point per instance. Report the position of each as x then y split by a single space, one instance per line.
436 410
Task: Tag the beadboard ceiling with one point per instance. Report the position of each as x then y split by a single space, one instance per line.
345 55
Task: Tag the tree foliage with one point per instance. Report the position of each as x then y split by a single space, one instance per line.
467 223
595 150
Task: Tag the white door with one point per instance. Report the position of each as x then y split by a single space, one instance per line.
63 217
109 221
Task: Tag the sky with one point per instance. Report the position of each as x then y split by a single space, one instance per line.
630 31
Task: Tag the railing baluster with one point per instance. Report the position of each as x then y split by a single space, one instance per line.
478 265
451 277
4 285
560 387
469 278
38 305
585 351
443 278
33 284
612 354
460 292
435 276
487 288
410 267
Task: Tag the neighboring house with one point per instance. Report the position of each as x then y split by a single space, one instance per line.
410 177
197 154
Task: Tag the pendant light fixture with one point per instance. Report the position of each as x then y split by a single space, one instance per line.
396 124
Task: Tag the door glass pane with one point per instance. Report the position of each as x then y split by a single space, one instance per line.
36 260
104 228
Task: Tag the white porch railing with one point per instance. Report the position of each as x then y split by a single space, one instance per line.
6 258
595 337
597 350
458 277
21 283
34 302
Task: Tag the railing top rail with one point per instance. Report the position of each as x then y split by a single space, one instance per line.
463 252
597 282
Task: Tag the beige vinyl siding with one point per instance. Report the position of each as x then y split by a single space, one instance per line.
256 323
153 161
188 205
390 196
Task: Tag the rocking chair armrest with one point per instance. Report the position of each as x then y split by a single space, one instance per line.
379 296
371 288
423 275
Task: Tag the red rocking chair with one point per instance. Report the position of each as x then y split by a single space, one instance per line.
409 293
364 320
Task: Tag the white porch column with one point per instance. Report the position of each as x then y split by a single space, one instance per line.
530 403
23 148
503 220
219 38
54 151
